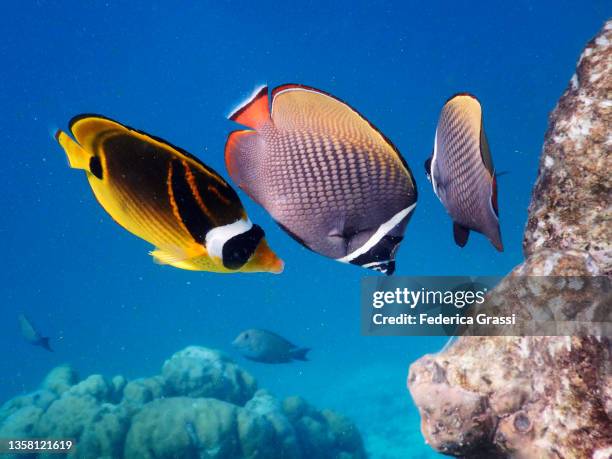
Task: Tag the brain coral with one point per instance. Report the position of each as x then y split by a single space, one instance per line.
202 405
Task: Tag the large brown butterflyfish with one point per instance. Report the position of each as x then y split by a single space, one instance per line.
329 178
462 173
167 197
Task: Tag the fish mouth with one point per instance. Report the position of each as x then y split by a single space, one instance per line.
265 260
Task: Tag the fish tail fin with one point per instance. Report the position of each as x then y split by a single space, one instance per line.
241 152
496 240
44 342
461 234
300 353
77 156
254 111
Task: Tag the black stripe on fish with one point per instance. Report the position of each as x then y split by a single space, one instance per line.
381 256
494 196
195 220
95 167
467 94
82 116
220 203
142 165
239 249
485 153
460 234
428 167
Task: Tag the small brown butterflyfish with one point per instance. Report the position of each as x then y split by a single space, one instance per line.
462 173
167 197
330 179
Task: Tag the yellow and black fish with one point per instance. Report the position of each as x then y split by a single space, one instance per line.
167 197
462 173
325 174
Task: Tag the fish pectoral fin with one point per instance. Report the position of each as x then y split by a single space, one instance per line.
78 157
428 168
461 234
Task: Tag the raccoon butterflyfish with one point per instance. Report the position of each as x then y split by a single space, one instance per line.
328 177
462 173
167 197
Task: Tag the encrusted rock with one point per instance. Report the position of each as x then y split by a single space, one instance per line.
547 396
571 206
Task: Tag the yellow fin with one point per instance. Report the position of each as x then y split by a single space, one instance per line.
166 258
200 262
77 156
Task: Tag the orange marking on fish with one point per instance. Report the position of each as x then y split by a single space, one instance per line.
195 192
173 204
215 191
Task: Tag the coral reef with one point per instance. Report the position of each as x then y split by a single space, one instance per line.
202 405
541 397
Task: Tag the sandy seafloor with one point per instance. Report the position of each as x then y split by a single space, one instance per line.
175 72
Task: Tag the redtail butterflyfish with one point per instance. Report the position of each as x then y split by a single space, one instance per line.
167 197
328 177
462 173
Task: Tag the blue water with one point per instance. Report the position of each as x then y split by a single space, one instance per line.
175 71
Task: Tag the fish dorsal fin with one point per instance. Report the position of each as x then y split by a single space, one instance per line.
463 112
254 111
90 130
299 107
302 107
471 112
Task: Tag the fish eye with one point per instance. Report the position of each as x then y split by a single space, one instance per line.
246 335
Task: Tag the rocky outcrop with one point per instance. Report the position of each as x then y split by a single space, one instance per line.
547 396
571 206
202 405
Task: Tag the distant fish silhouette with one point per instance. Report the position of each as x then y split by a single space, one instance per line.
267 347
32 335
